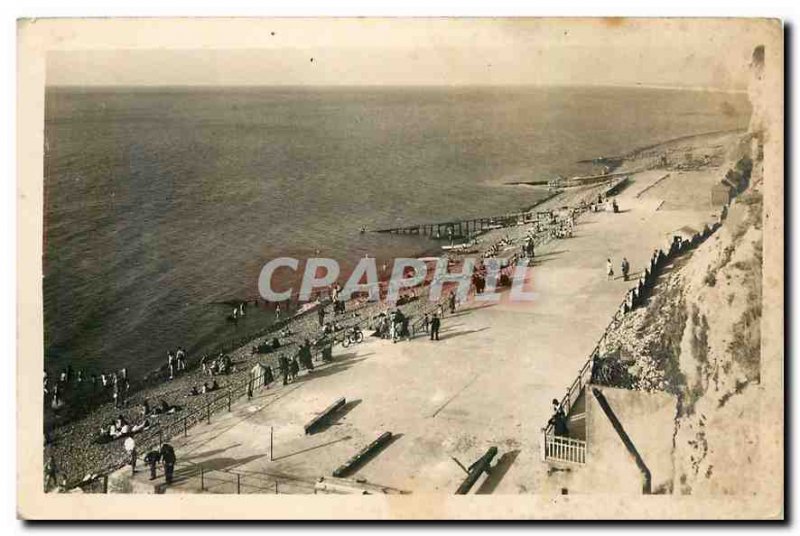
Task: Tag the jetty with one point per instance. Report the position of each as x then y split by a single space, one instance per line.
475 226
468 227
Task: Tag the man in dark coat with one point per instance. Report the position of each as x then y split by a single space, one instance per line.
152 458
305 355
559 423
168 459
435 324
284 366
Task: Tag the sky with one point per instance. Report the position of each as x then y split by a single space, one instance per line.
694 53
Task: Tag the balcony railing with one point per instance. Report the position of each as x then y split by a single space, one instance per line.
564 449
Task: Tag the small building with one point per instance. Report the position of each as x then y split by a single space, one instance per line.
620 441
721 194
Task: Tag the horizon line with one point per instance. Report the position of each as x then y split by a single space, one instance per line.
666 87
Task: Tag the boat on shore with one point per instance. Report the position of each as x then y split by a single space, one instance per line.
464 247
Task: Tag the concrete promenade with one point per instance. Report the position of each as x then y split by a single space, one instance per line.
487 382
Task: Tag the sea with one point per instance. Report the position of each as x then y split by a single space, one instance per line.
161 205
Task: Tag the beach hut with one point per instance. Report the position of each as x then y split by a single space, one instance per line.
261 374
721 194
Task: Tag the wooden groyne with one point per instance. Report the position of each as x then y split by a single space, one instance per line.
468 227
475 226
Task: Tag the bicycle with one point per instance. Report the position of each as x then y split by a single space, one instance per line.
352 336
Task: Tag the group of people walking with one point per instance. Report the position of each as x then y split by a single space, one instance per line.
165 455
176 362
56 390
625 268
290 367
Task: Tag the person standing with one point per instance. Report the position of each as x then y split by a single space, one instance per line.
277 312
393 326
426 322
305 356
283 363
171 364
151 459
321 315
435 324
625 268
130 448
50 474
168 459
116 392
180 358
609 270
452 302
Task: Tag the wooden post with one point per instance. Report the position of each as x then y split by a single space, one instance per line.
270 451
543 445
208 412
364 453
476 470
238 483
105 483
229 400
202 481
276 487
322 417
184 427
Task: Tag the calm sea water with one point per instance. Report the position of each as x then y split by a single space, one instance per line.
159 204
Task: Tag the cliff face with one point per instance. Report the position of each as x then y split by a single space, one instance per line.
699 336
715 442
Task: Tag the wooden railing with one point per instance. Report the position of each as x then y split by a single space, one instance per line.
564 449
238 482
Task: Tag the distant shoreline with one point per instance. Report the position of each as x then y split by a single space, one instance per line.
620 160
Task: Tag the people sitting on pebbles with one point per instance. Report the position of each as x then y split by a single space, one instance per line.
205 388
120 428
221 365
